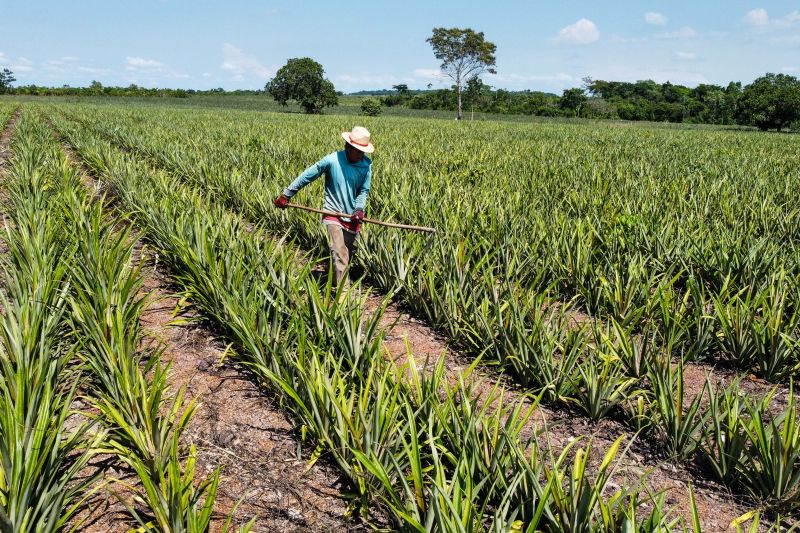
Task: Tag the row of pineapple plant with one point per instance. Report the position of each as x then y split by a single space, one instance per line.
618 377
745 280
68 247
432 453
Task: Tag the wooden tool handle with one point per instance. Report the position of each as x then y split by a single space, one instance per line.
368 220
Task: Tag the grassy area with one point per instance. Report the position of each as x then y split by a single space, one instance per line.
348 105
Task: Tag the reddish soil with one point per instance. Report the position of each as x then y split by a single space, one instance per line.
5 138
558 427
237 428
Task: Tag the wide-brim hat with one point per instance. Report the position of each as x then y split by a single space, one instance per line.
359 139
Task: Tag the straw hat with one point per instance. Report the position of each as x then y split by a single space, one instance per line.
359 139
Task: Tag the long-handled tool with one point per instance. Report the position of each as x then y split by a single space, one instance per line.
368 220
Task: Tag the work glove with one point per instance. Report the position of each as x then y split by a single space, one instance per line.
281 201
358 216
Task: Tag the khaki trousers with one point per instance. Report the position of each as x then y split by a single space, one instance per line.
343 248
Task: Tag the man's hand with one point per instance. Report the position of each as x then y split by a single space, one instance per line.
281 202
358 216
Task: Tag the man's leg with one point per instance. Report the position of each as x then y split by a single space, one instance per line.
340 251
350 239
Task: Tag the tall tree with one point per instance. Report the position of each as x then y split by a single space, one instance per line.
302 80
771 101
573 100
6 79
465 54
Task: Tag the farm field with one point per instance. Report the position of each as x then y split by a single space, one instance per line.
602 335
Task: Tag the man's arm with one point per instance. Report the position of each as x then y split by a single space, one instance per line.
363 192
308 175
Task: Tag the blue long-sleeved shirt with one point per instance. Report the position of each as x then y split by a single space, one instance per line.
346 183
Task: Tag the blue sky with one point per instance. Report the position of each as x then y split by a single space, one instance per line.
367 45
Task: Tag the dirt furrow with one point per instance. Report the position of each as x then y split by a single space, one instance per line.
236 428
560 427
5 138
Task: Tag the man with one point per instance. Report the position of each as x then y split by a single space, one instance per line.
347 179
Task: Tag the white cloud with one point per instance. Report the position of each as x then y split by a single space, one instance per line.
22 64
760 19
92 70
582 32
632 74
428 73
757 17
140 63
372 80
686 56
514 77
206 74
790 70
685 32
626 40
656 19
150 68
239 63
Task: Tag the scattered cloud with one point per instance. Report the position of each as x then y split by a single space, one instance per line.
513 77
626 40
22 64
656 19
92 70
685 32
140 63
69 65
659 75
239 63
150 68
206 74
790 70
582 32
428 73
685 56
373 80
757 17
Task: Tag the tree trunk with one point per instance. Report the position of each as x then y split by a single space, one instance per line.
458 97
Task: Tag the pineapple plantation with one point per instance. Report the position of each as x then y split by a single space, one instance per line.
606 325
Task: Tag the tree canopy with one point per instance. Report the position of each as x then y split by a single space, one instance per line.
302 80
465 54
6 79
771 101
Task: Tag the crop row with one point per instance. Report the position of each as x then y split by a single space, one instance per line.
606 368
71 332
436 456
729 294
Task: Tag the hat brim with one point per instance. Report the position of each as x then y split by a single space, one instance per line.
368 149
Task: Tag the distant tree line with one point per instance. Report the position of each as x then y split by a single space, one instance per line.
98 89
770 102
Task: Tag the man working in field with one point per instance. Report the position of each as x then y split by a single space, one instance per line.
347 178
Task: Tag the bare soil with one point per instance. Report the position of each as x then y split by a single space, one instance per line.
5 138
557 428
237 429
